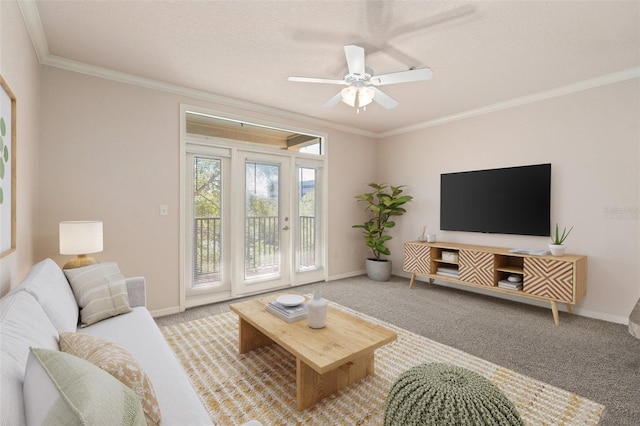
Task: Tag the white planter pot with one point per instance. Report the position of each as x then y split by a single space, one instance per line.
557 249
378 270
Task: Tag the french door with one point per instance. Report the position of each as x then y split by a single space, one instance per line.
207 210
265 226
253 222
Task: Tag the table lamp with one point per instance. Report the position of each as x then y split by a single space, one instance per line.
80 238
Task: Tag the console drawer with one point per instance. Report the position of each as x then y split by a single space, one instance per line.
477 267
549 278
417 258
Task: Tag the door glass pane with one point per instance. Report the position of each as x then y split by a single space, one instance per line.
306 240
262 236
207 222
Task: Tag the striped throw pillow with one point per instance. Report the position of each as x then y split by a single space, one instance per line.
100 290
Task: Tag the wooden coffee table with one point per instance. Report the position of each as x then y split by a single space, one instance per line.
327 359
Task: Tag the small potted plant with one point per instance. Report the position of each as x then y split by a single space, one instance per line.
382 203
557 246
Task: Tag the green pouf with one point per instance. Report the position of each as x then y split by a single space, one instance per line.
443 394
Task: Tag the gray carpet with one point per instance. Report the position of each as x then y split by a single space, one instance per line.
593 358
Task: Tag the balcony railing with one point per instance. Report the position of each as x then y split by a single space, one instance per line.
207 250
262 254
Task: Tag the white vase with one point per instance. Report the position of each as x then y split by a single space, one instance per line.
557 249
317 311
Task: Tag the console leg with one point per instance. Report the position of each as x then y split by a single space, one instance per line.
554 309
413 278
568 305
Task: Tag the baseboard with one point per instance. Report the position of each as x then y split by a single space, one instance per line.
156 313
347 275
577 311
601 316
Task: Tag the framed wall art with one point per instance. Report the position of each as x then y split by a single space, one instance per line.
7 169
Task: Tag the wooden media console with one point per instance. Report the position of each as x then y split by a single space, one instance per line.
548 278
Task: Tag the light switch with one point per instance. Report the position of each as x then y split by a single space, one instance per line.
164 210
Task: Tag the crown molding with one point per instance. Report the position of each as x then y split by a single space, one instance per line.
31 17
121 77
512 103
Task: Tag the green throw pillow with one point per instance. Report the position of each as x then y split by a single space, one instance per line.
62 389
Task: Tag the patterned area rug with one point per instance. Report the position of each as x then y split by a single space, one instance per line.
260 385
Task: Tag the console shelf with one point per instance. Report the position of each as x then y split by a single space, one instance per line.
548 278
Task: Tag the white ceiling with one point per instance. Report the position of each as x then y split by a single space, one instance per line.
482 53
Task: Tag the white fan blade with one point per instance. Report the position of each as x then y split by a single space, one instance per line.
315 80
383 99
333 101
402 77
355 59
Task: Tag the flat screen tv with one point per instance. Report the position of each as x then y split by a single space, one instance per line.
512 200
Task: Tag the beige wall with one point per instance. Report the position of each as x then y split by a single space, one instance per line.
21 70
91 148
591 138
110 151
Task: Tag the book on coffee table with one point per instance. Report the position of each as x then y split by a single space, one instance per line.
288 313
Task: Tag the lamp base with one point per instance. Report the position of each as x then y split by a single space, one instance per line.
79 261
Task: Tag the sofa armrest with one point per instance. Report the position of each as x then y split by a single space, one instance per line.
137 290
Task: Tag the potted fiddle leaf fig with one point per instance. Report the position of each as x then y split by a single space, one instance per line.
382 204
557 246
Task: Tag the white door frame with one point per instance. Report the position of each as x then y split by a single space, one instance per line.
296 277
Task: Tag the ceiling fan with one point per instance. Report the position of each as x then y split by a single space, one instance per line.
362 83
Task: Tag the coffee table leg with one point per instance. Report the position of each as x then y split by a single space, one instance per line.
312 386
251 338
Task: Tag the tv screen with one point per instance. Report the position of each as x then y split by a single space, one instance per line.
512 200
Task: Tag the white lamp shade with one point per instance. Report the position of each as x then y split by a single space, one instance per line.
80 237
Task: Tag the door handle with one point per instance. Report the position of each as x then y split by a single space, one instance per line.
286 228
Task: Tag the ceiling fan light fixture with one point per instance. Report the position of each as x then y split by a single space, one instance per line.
357 97
365 96
349 96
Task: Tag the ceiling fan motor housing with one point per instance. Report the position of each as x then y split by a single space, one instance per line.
359 80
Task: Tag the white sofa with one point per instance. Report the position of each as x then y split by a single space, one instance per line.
43 305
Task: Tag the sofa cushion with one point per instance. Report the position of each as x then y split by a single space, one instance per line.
100 290
118 362
60 388
48 285
23 323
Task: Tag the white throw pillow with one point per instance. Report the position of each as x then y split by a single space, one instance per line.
48 285
101 291
62 389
